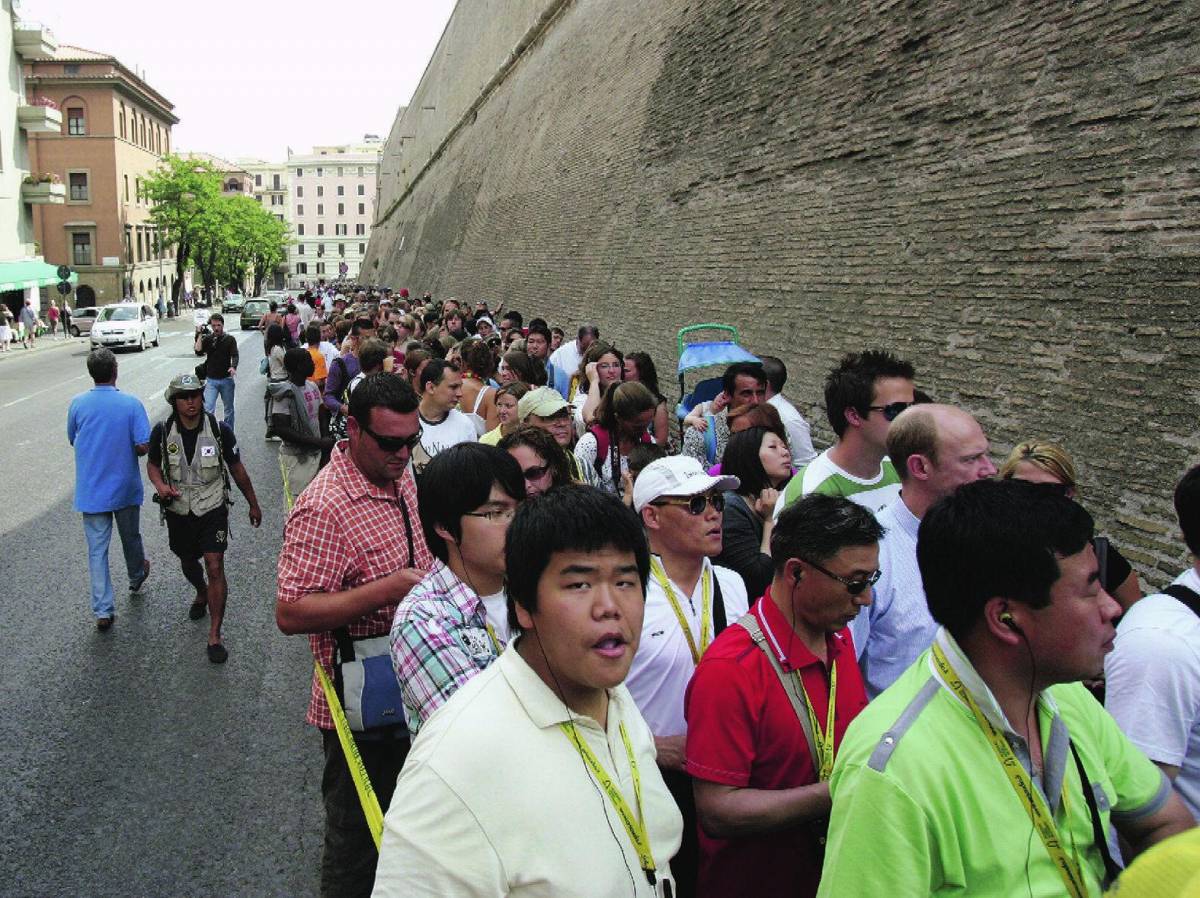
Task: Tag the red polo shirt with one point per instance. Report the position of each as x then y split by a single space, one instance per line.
742 731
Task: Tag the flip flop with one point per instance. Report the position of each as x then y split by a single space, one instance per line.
197 610
217 653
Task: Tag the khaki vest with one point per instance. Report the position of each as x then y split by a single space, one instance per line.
201 484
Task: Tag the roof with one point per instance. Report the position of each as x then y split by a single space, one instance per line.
221 165
127 79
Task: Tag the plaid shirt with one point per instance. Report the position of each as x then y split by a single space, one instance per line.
439 641
343 532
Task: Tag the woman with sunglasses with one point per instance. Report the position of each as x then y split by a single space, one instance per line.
762 462
1041 462
507 398
543 462
622 422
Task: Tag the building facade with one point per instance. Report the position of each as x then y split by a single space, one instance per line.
332 205
271 186
115 129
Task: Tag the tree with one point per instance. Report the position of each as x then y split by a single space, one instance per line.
182 193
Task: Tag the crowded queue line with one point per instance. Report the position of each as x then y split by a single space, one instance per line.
613 666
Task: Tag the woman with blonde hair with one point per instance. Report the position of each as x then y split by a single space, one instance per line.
507 398
1043 462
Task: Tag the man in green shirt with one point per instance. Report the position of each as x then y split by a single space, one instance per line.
964 777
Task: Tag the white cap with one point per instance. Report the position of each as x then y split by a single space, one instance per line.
676 475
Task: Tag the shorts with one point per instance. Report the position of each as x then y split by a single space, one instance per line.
190 536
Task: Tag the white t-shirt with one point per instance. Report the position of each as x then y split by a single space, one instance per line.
663 665
1152 684
496 606
306 312
329 351
455 428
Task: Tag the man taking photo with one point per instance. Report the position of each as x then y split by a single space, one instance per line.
220 365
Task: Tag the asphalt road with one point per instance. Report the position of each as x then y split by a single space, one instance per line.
131 765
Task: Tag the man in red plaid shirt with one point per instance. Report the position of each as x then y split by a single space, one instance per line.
352 549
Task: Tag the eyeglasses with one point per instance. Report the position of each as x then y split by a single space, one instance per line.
891 410
536 473
854 587
503 515
393 444
695 504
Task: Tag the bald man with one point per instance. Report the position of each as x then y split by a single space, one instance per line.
936 449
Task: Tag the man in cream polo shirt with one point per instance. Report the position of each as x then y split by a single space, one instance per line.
537 777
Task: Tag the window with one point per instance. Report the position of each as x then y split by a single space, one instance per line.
71 70
341 190
81 248
320 172
301 268
299 173
320 268
258 180
299 192
299 230
360 230
320 249
137 188
339 230
279 216
362 189
299 249
275 182
276 199
122 120
320 190
362 208
339 171
127 188
76 126
300 209
259 197
320 230
320 208
78 183
341 249
360 171
362 249
341 208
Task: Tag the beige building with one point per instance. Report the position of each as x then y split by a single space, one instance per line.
115 129
332 207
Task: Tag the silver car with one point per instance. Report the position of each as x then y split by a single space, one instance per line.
82 321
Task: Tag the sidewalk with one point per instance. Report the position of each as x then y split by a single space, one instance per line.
43 344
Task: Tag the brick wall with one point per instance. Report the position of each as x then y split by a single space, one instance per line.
1006 193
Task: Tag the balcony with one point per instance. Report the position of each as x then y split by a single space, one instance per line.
33 41
41 114
42 193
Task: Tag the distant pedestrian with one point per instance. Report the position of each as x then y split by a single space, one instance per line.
6 318
66 320
221 352
28 324
52 315
109 430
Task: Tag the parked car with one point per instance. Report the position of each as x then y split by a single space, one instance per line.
125 324
82 320
232 303
252 313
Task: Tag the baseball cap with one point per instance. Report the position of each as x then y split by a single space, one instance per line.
676 475
182 383
543 402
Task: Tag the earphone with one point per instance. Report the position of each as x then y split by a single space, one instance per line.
1008 621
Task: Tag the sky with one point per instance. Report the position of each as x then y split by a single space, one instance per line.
252 78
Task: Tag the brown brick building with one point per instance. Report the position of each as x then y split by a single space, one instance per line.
115 129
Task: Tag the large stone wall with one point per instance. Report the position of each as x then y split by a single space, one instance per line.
1006 193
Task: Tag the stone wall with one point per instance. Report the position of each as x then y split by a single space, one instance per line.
1006 193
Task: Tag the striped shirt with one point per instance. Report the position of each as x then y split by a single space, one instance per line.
440 640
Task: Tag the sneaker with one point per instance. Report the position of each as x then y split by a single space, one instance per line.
136 586
217 653
103 624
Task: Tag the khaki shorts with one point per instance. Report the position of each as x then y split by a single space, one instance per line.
298 472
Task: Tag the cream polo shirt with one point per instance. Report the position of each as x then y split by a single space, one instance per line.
495 800
663 665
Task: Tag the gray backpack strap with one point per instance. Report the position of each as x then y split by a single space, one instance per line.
750 623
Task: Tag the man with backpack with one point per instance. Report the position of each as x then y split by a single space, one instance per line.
295 419
1152 676
191 460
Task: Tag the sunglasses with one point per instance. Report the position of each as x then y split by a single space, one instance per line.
854 587
891 410
536 473
393 444
695 504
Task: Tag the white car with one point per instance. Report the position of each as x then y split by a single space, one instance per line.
125 324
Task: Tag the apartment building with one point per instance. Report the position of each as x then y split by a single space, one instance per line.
115 129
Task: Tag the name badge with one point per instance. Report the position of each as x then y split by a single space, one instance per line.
208 451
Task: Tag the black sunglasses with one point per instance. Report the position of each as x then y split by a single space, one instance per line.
536 473
891 410
695 504
393 444
854 587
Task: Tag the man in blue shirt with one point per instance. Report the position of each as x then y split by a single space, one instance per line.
109 430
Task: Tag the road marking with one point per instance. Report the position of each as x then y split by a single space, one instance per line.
40 392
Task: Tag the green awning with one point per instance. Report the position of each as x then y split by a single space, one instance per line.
20 275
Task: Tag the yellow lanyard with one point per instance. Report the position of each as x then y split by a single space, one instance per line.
491 632
824 740
634 826
1030 798
358 770
660 577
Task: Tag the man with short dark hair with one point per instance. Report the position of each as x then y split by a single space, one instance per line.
771 701
454 623
564 361
863 395
538 776
799 434
352 549
988 767
220 366
109 430
442 424
1152 677
191 460
537 345
743 385
935 449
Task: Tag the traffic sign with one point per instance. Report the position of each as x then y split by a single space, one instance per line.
64 287
343 268
63 272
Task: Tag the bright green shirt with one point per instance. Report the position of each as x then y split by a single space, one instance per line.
921 805
821 475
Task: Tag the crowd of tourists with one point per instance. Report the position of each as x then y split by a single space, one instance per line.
567 644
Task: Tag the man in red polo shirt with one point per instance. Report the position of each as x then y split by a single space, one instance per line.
761 735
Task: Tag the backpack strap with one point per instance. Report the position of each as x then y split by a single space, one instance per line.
1188 597
750 623
216 429
719 621
1100 545
602 443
